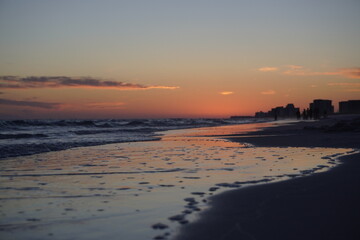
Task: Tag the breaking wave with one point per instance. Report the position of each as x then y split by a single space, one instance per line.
26 137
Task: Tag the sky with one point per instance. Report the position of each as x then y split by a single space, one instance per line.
166 58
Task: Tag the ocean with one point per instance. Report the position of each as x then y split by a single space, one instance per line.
26 137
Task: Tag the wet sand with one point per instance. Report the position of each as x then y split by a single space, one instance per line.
320 206
148 190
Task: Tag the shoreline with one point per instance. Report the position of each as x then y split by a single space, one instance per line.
129 189
320 206
145 190
147 131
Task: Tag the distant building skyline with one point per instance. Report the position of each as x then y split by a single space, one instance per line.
318 108
321 108
349 107
290 111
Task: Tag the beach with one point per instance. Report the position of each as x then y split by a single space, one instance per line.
179 120
319 206
222 182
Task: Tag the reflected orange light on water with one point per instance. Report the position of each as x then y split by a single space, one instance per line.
119 186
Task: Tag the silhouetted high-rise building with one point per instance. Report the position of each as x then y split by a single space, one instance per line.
321 108
351 106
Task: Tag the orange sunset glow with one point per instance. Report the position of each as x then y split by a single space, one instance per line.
174 59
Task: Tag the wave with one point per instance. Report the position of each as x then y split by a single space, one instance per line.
54 123
21 135
15 150
112 123
27 137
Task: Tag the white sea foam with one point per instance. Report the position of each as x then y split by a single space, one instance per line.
26 137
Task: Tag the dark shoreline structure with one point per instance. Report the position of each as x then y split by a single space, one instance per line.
290 111
349 107
319 108
321 206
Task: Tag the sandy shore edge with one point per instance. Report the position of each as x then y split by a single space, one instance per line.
320 206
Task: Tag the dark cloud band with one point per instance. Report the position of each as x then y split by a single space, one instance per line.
14 82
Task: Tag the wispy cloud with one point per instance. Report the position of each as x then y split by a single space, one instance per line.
294 66
161 87
44 105
298 70
344 84
268 92
106 105
301 71
268 69
304 72
226 93
14 82
350 72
